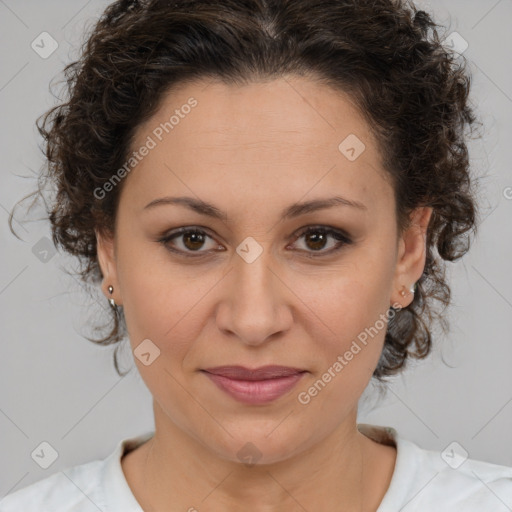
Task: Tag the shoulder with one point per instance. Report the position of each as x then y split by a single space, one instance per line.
456 482
447 481
89 487
75 488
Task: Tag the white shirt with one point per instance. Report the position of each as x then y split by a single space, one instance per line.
421 481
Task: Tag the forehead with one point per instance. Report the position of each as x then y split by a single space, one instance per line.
286 110
287 136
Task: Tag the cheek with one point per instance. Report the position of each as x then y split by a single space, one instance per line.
349 336
347 300
163 302
348 311
150 302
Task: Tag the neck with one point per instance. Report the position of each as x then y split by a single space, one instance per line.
187 475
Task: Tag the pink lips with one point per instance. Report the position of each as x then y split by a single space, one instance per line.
257 386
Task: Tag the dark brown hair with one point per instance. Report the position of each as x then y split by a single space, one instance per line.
386 54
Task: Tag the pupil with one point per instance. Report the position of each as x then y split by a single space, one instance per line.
320 240
196 238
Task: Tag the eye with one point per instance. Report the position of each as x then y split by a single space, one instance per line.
192 239
189 240
316 238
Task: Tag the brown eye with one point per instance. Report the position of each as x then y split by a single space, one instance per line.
188 241
315 241
317 238
193 240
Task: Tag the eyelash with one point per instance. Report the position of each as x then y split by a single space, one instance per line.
343 240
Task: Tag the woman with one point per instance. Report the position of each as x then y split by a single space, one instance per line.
267 191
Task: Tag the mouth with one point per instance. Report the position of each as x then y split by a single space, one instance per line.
255 386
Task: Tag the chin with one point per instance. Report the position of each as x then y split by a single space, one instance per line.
258 446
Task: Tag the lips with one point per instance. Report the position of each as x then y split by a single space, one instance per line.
247 374
259 386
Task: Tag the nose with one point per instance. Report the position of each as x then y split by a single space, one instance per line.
256 305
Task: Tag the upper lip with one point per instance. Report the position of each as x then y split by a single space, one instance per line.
261 373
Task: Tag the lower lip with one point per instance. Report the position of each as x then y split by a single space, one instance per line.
256 391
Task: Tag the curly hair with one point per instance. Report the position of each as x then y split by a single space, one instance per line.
386 54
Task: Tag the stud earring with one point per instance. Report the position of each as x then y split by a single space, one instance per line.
412 289
111 300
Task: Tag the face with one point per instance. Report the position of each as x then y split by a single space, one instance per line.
250 286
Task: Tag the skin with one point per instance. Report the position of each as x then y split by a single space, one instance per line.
252 151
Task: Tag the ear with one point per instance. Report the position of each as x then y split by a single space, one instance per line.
105 249
411 256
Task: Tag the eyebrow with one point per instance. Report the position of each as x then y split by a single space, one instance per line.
296 209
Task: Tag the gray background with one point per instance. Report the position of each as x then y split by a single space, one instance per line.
57 387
